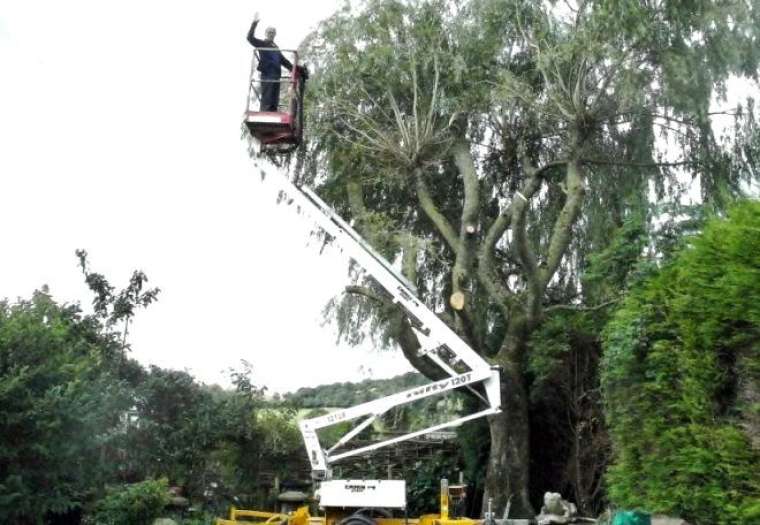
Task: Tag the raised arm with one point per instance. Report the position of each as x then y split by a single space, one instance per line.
255 42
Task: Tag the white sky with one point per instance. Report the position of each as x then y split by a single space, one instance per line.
119 134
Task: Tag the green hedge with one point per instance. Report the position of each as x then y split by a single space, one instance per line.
680 363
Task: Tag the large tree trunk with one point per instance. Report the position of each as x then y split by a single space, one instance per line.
507 478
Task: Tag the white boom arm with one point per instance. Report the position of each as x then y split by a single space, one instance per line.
438 342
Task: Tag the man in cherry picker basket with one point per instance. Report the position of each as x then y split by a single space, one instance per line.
271 62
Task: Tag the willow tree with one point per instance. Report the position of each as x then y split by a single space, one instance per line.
489 146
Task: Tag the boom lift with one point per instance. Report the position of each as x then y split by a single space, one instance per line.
462 366
346 501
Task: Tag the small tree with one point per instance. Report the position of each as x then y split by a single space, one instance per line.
175 425
117 307
60 407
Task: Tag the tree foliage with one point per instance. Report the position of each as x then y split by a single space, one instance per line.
61 400
681 377
117 307
172 427
336 395
135 504
85 430
492 147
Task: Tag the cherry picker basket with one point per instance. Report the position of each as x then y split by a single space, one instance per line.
279 131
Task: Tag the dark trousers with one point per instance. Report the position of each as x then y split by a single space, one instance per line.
270 93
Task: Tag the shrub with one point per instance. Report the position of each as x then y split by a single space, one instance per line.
135 504
677 356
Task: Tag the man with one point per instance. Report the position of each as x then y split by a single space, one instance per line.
270 63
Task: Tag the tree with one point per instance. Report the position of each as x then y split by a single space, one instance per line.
65 388
78 418
174 426
61 401
241 433
119 307
491 146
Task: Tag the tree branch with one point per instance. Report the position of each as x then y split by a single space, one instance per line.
521 242
561 234
539 172
358 209
638 164
580 307
465 255
369 294
404 335
486 273
431 210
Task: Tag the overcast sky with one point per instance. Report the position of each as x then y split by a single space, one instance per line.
120 134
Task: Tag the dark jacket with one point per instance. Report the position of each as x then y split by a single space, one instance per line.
270 62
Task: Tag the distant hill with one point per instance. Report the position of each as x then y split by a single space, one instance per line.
340 395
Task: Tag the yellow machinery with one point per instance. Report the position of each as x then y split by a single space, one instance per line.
365 501
340 517
239 516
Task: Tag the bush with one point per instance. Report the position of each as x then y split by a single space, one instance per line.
680 356
135 504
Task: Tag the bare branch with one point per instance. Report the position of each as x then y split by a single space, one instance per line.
369 294
405 336
639 164
431 210
486 273
561 234
581 308
407 140
539 172
465 256
520 205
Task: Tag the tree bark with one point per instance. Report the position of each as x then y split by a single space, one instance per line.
507 477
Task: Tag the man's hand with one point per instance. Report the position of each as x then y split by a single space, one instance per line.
256 16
